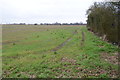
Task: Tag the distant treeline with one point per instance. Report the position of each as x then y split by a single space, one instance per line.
104 20
50 24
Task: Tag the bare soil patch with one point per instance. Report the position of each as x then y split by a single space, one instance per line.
8 42
65 59
113 59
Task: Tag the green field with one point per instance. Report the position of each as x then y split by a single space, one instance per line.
56 51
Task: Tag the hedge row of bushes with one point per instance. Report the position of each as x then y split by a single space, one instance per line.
103 20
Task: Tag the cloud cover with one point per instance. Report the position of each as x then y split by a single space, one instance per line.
41 11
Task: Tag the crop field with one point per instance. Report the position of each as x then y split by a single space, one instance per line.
56 51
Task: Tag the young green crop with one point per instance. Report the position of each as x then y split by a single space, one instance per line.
28 52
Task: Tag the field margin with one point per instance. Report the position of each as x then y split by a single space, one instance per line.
1 50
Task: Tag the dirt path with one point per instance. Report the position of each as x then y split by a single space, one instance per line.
62 44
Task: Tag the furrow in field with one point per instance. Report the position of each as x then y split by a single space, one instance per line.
64 43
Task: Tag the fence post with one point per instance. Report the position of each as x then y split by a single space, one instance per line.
83 39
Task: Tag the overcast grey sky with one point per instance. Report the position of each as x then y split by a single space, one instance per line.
41 11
